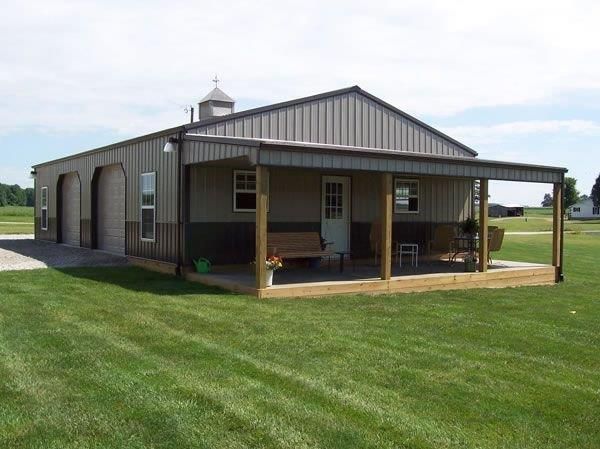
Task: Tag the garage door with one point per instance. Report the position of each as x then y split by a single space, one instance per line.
70 209
111 210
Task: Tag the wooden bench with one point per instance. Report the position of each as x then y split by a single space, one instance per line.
296 245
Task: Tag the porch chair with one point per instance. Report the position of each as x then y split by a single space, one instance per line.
496 239
443 240
375 242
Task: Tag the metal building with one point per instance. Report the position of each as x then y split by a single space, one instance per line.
192 191
506 210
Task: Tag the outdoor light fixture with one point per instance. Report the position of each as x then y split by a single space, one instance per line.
32 174
171 145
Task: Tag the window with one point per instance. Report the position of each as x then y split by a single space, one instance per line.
596 211
44 208
244 191
406 196
334 200
148 200
576 209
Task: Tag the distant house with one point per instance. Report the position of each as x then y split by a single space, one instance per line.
584 209
505 210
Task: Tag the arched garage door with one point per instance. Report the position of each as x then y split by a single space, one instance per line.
70 209
111 209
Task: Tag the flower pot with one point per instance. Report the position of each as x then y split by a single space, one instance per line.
470 266
269 278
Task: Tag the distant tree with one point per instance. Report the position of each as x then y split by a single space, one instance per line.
595 195
547 201
3 196
13 195
29 197
583 197
571 194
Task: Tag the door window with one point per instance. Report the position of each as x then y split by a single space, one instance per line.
334 200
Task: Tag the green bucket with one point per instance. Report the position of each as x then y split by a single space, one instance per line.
202 265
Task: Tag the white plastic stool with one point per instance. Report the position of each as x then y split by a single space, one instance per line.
409 249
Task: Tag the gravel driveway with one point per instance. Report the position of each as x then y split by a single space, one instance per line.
22 252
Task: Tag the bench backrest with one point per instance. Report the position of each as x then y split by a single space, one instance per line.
496 240
294 241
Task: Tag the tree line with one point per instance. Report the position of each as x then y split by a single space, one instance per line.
13 195
572 195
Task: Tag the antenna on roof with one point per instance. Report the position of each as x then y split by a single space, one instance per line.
216 80
190 109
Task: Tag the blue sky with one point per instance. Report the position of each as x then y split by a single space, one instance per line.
516 81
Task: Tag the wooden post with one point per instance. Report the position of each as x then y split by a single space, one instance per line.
556 227
262 174
386 225
483 225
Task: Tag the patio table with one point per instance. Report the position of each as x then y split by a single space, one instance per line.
343 255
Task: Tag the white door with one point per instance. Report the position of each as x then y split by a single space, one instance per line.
335 212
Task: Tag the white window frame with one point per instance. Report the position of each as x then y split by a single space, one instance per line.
417 196
147 207
44 207
236 190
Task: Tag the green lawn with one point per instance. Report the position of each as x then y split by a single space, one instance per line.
123 358
547 211
16 220
540 219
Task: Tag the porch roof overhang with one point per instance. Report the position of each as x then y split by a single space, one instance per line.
200 148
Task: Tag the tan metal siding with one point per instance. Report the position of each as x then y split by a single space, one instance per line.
136 157
295 196
71 210
441 200
345 119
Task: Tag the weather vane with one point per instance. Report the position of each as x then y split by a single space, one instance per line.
216 80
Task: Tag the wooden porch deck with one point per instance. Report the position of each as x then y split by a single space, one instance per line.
363 278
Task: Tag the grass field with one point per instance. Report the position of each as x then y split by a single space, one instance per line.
16 220
540 219
123 358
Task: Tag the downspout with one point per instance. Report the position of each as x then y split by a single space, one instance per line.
179 205
561 275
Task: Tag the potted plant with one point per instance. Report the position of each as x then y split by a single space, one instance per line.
273 263
470 263
469 227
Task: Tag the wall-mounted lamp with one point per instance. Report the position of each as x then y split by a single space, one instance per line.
171 145
32 174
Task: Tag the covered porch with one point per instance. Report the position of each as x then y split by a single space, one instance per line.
364 278
370 267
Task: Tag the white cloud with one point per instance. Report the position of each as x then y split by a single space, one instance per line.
15 175
477 135
128 66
